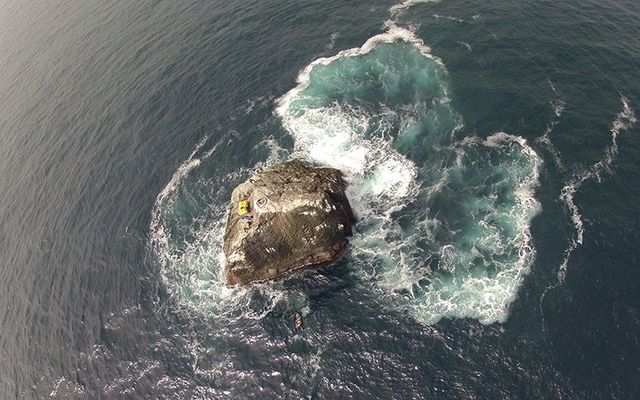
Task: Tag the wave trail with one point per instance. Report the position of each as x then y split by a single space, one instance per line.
624 120
405 5
158 235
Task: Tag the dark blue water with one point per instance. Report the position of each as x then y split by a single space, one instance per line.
491 151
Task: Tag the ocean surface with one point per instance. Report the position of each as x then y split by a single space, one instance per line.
492 151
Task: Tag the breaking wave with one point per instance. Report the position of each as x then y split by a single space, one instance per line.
443 225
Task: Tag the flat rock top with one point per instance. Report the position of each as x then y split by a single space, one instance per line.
299 217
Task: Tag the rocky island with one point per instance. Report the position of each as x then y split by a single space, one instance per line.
285 219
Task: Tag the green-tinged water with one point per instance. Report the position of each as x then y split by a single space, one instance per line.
491 153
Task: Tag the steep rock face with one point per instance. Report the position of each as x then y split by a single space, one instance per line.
298 217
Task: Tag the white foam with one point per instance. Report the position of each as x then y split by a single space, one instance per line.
448 18
394 33
332 40
405 5
465 44
480 295
334 136
624 120
557 106
382 182
188 165
330 136
498 139
158 237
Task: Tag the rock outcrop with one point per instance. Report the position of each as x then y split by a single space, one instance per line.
285 219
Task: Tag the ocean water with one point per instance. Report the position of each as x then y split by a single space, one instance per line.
491 150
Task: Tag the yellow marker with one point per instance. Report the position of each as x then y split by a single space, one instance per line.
243 207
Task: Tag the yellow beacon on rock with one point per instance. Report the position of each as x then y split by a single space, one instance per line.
243 206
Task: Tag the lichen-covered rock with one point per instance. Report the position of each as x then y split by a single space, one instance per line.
299 217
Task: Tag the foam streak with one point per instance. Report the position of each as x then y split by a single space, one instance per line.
623 121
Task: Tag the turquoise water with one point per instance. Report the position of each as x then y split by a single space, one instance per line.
490 151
